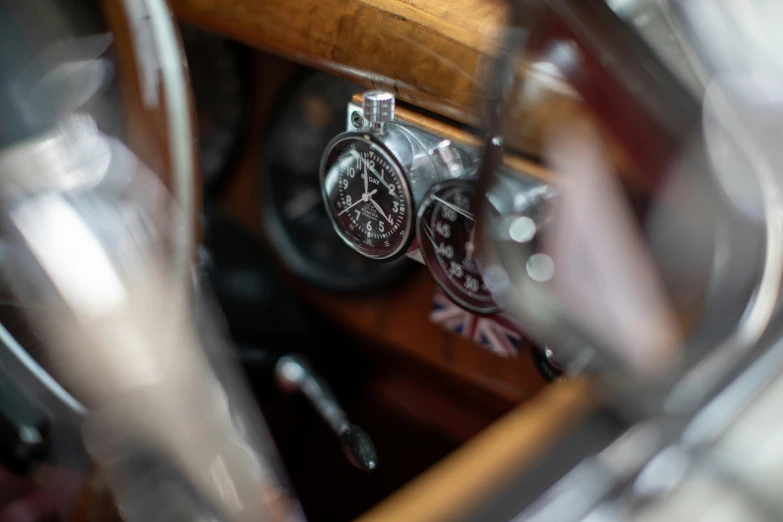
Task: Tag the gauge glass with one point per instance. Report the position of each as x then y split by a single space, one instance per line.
294 215
367 196
446 234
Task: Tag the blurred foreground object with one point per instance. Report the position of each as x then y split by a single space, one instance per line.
670 288
169 423
98 252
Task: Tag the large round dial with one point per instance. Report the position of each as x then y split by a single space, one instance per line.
446 229
367 196
294 216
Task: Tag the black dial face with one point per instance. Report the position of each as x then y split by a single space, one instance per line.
295 217
367 197
446 230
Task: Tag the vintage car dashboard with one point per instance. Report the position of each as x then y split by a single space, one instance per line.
267 175
399 277
458 365
476 260
426 231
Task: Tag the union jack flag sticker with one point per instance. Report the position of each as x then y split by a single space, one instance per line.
492 333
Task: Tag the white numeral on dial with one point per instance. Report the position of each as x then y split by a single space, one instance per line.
449 214
443 229
446 251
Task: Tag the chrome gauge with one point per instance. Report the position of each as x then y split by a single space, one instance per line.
293 214
391 178
367 196
445 231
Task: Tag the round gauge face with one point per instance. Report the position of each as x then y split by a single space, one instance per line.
446 229
367 196
294 215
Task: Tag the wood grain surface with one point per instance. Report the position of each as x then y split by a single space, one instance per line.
434 54
469 475
429 52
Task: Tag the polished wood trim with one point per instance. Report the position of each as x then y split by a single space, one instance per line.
434 54
396 320
428 51
399 320
478 468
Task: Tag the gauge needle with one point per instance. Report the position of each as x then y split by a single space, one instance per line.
428 232
366 180
368 167
365 197
455 208
378 207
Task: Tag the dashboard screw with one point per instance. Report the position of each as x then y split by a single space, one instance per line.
357 120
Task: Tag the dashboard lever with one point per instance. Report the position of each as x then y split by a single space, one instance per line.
293 373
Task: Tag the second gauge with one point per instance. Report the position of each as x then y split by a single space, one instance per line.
446 234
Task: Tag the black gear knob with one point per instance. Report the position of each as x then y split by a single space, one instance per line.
293 373
359 448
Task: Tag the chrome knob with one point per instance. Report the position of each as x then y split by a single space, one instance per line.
378 108
449 157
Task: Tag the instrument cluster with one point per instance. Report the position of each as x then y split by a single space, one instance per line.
351 193
392 188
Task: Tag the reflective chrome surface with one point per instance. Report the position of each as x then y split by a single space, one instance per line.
98 223
677 297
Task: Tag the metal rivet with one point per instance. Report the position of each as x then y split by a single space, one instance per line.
357 120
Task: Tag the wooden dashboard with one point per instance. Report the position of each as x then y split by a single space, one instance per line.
428 51
434 55
398 321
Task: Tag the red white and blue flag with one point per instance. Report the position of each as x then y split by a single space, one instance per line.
493 333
